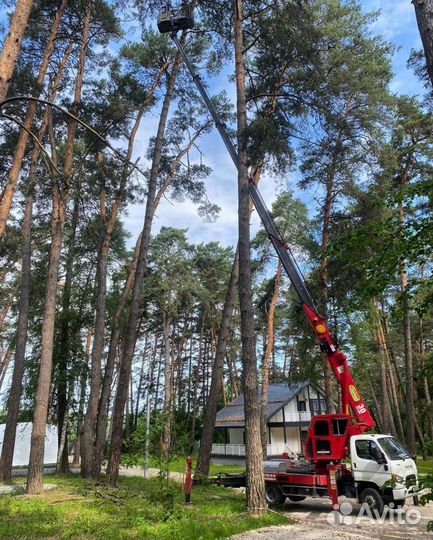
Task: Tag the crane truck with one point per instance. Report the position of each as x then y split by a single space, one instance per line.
341 456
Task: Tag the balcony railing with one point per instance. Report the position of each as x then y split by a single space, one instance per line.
298 416
238 450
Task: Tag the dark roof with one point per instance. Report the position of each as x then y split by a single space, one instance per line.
278 396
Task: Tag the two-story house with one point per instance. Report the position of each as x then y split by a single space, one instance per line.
289 411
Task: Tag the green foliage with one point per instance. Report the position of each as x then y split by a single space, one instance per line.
427 483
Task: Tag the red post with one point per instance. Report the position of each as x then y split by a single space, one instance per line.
188 480
332 486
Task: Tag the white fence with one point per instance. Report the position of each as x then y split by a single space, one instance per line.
239 449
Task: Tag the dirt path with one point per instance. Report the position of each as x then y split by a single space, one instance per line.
151 473
123 471
313 521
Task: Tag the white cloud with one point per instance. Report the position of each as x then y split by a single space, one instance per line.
396 23
395 20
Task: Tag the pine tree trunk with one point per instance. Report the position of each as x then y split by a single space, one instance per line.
425 383
392 385
12 44
62 465
168 389
36 461
63 354
424 17
131 333
4 364
217 378
92 447
256 502
397 403
9 190
60 197
20 348
217 371
324 278
385 405
102 419
88 464
87 436
140 383
83 384
16 386
410 396
8 304
267 359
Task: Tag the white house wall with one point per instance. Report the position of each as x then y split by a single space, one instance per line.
22 444
293 440
236 436
291 409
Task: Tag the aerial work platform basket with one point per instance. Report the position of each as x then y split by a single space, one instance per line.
174 20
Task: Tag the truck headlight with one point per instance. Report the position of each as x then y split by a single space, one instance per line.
397 478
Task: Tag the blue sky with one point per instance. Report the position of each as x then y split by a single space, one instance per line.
396 23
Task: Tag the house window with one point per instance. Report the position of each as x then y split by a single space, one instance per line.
302 406
318 406
315 406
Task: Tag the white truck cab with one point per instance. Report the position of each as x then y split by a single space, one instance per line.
383 470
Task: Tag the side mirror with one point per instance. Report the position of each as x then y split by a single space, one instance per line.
381 460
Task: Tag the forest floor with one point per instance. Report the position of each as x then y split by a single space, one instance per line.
137 509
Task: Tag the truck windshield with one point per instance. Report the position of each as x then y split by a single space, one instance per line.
393 448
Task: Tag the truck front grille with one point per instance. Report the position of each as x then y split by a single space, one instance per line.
410 480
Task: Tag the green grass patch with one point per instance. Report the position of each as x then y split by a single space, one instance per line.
424 466
178 464
137 509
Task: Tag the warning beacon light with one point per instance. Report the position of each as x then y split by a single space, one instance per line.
173 20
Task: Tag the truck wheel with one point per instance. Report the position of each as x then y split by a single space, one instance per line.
373 499
296 498
274 495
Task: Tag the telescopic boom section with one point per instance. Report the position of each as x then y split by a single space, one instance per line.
350 396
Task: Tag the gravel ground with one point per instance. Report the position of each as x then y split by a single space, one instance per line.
151 473
312 522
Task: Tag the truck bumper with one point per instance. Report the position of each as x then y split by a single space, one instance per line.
402 493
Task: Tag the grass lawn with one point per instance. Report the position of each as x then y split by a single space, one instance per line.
179 465
424 466
137 509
